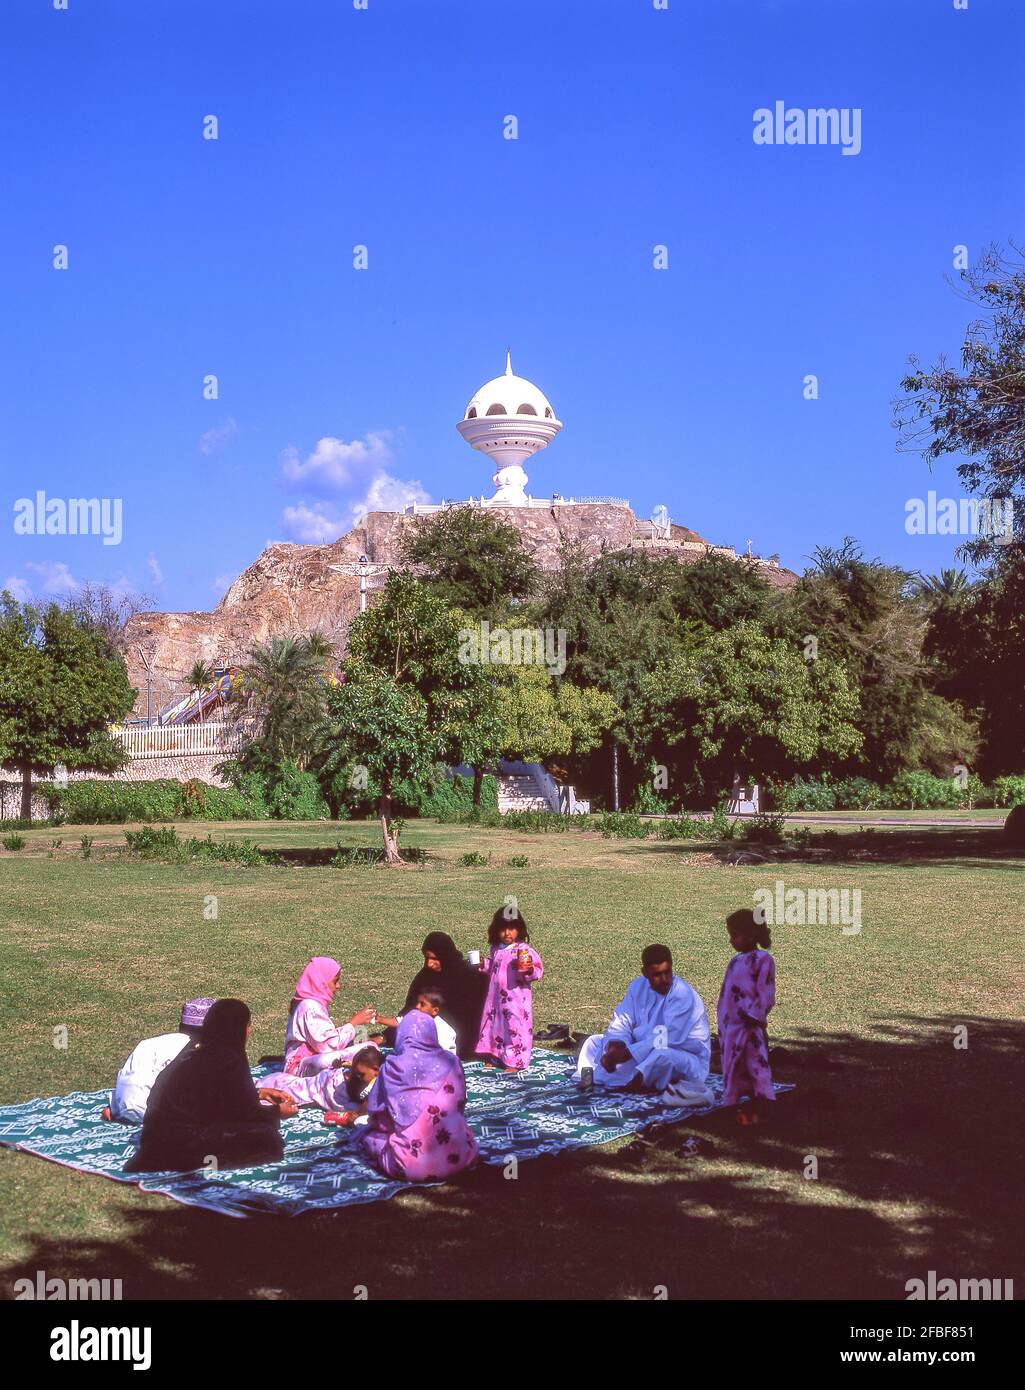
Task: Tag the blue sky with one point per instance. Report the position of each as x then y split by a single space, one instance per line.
384 128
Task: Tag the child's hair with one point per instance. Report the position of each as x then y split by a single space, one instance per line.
369 1057
355 1087
507 917
433 996
745 923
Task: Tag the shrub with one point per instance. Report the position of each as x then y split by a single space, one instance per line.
766 829
1009 791
647 801
681 828
1014 827
518 861
87 846
805 795
112 803
475 860
624 825
295 795
721 826
858 794
13 842
921 791
162 843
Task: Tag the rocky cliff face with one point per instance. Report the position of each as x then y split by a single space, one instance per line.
292 588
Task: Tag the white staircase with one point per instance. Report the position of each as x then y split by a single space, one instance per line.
518 791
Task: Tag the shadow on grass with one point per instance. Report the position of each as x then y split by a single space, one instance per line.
975 847
918 1153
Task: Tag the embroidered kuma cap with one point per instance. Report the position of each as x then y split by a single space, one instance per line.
195 1011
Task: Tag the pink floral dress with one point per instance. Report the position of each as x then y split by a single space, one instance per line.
748 993
507 1023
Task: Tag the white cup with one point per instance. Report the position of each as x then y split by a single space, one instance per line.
473 957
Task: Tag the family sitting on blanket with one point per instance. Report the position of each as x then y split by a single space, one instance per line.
195 1096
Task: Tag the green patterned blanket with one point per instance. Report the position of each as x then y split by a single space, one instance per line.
540 1112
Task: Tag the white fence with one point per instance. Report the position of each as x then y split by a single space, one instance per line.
181 740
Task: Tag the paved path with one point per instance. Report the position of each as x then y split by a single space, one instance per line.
868 818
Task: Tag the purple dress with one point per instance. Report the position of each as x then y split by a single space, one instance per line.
417 1129
507 1023
748 993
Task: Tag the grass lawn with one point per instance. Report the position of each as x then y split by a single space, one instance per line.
918 1163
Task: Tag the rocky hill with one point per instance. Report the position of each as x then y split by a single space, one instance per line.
292 588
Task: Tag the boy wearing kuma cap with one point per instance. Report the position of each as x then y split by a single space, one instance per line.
135 1079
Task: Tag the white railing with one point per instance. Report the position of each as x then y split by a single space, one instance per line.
426 508
181 740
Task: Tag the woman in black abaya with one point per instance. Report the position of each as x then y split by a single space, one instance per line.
204 1104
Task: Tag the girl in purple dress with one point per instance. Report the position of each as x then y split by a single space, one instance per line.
507 1023
417 1128
748 993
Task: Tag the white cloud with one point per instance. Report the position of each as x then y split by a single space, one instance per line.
55 575
334 465
314 525
18 588
156 573
216 440
388 494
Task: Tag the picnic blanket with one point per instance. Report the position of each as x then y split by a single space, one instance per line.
539 1112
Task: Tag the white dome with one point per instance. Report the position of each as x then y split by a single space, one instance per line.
509 395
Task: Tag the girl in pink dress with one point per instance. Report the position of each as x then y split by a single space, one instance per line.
312 1041
507 1022
748 993
417 1128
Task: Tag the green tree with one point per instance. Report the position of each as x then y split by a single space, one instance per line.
406 686
870 616
533 718
62 684
625 613
472 559
745 701
380 729
976 413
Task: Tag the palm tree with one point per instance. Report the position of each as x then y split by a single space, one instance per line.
201 677
283 683
949 586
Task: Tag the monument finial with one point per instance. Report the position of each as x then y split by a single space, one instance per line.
508 362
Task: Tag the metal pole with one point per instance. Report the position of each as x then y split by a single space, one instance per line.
615 775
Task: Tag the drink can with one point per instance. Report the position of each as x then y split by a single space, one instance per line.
586 1078
524 959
